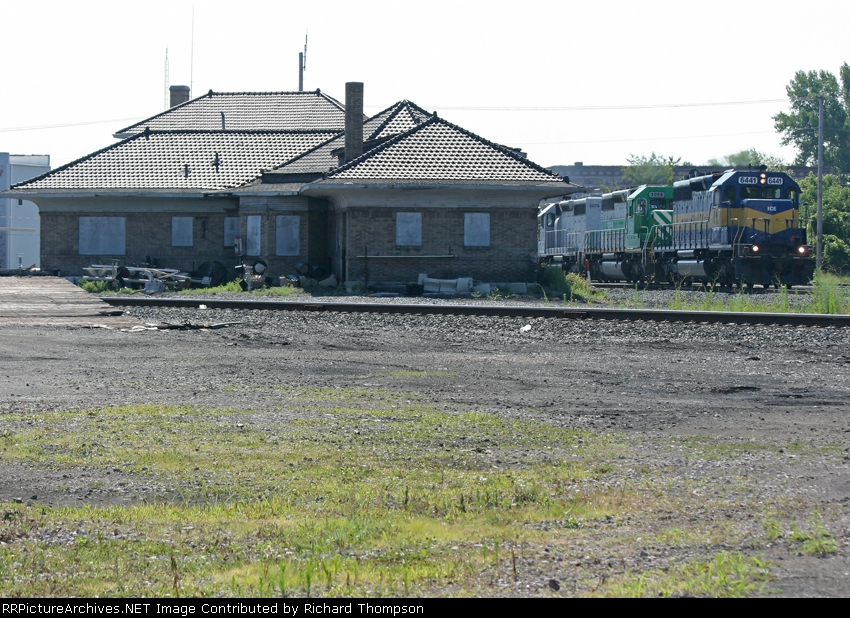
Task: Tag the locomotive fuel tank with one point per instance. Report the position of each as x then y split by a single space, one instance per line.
692 269
613 270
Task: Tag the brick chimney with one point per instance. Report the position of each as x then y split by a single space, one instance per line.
179 94
353 120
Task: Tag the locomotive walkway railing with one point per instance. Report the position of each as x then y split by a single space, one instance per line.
679 236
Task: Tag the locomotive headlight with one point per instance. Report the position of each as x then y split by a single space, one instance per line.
763 178
755 249
802 250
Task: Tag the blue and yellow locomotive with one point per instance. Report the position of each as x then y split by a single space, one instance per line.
724 228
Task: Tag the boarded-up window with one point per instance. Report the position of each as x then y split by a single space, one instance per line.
253 233
476 229
408 229
287 235
181 231
103 236
231 231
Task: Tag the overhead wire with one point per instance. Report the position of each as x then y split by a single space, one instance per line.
67 124
570 108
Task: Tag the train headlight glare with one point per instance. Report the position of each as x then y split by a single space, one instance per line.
756 248
801 250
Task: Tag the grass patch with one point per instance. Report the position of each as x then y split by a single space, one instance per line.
229 287
727 574
370 493
829 296
816 541
94 287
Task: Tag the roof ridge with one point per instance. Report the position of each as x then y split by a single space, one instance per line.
211 93
234 131
91 155
435 119
395 112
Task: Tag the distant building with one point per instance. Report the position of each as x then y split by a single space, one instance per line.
19 221
610 177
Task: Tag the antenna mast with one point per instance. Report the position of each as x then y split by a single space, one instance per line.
302 65
165 95
192 56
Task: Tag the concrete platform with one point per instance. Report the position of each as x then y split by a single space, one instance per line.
54 301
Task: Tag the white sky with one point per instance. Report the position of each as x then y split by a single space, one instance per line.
85 62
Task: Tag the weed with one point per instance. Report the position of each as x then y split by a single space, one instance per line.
727 574
229 287
555 279
580 286
497 293
94 287
817 541
772 528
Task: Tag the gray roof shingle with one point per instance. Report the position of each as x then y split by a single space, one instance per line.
437 150
181 160
246 111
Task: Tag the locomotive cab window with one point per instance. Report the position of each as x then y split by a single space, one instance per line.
791 194
550 219
749 193
771 193
641 206
729 194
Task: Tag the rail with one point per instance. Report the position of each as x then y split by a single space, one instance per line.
524 311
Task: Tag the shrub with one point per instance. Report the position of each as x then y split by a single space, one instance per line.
555 279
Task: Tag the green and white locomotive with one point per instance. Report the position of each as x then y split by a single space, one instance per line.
606 236
733 227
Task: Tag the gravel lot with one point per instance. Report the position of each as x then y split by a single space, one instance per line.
652 385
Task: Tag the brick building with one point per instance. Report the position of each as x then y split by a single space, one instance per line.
297 177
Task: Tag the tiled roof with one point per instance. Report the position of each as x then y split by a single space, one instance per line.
398 118
246 111
181 160
440 151
316 161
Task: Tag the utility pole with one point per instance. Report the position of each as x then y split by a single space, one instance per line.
819 262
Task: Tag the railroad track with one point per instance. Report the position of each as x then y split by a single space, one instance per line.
614 285
578 313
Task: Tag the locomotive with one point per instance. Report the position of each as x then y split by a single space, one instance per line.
725 228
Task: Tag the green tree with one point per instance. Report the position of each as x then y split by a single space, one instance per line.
736 159
651 170
799 128
836 220
749 158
